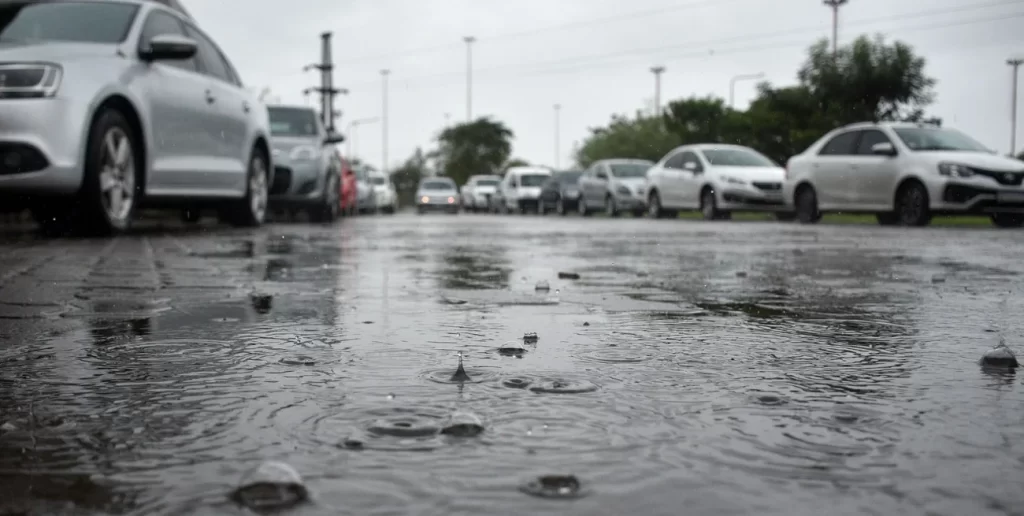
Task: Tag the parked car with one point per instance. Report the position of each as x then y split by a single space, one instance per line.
304 164
561 192
716 179
348 199
904 173
477 192
519 191
384 194
614 186
130 105
366 201
437 194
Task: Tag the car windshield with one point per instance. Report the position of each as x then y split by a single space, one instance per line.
937 139
378 180
81 22
487 182
533 179
437 185
736 158
568 178
292 122
630 169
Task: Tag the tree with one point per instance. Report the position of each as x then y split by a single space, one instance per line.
868 80
704 120
407 177
1021 156
640 137
514 162
782 122
478 147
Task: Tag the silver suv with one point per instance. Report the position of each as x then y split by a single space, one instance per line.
305 175
129 103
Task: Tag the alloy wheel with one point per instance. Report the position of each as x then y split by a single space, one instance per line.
258 188
117 176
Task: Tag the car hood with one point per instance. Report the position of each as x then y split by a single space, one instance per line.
977 159
768 174
282 147
54 51
631 182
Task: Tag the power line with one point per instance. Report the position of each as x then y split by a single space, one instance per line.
647 13
602 59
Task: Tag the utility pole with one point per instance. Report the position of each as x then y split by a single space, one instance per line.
734 80
384 120
353 131
657 71
835 5
327 90
1015 67
558 153
469 77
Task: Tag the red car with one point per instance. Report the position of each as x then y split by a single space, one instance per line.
348 188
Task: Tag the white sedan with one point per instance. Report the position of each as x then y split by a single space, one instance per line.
716 179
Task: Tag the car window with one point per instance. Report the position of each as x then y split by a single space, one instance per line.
378 180
209 56
437 185
160 23
601 174
675 162
293 122
736 158
691 157
80 22
487 182
920 139
633 170
568 178
869 139
840 145
533 179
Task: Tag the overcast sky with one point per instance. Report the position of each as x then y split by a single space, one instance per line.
593 57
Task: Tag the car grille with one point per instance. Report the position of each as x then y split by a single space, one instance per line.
770 187
1003 177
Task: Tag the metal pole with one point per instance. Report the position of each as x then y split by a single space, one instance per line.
469 77
657 71
734 80
835 5
1015 67
384 120
558 153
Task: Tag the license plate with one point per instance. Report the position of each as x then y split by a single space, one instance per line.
1010 197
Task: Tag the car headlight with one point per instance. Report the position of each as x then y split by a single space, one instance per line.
733 180
955 170
424 199
29 80
302 153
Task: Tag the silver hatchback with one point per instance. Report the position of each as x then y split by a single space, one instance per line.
130 103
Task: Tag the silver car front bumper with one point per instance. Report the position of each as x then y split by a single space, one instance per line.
49 132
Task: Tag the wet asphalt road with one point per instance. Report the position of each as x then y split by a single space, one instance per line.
734 368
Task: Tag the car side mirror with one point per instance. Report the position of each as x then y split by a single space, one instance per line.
883 149
333 138
169 47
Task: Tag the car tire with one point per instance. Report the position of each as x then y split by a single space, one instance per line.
581 207
654 209
560 207
113 170
807 206
887 219
709 206
912 207
542 208
611 208
1007 220
326 212
251 210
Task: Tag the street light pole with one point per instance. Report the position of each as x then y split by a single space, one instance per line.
469 77
384 120
558 153
835 5
657 71
1015 66
352 146
743 77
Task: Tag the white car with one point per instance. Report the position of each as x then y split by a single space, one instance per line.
477 192
519 191
437 194
384 194
716 179
904 173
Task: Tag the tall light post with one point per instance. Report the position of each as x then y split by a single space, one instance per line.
657 71
469 77
384 120
353 133
835 5
1015 67
742 77
558 153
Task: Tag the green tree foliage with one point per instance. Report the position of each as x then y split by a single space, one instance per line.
640 137
478 147
514 162
407 177
869 79
1021 156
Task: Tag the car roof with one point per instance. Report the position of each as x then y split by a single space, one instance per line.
528 170
624 161
299 107
484 176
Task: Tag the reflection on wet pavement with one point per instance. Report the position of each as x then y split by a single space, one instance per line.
727 368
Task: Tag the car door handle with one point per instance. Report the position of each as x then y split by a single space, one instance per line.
245 107
210 99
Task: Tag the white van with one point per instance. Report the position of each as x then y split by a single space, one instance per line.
520 189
